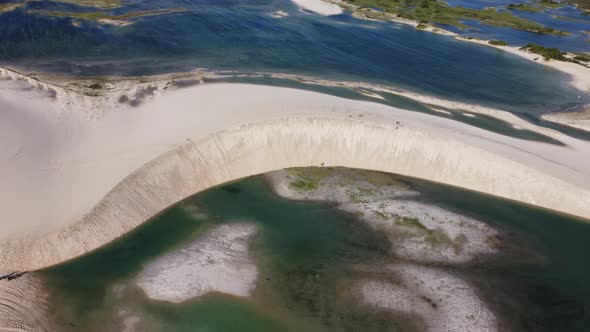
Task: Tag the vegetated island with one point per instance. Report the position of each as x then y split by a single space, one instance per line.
553 53
577 65
423 14
438 12
106 4
106 18
102 15
99 4
536 6
6 7
583 5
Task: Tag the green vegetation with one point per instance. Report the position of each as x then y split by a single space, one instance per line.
421 26
582 57
382 215
107 4
549 4
101 16
437 11
359 194
303 185
498 42
552 53
101 4
379 179
313 173
437 238
412 223
547 52
355 197
433 237
565 18
309 178
524 7
583 5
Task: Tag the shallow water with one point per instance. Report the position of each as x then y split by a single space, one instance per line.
550 297
565 18
304 251
237 35
301 248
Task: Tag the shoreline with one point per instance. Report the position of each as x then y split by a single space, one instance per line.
579 117
418 232
217 261
432 102
580 74
320 7
132 88
179 141
443 300
420 235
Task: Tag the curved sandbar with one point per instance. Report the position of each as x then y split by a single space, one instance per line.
73 182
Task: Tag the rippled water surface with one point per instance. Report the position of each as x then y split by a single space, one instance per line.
305 251
243 36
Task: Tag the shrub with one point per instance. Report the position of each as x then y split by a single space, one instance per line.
584 58
498 42
546 52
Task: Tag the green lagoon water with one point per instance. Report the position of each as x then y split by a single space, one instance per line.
304 252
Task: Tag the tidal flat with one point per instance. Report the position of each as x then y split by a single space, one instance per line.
325 266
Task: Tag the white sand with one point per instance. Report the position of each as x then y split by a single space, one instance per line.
217 262
279 14
429 100
440 110
580 75
434 235
119 23
578 119
24 305
442 300
319 7
371 94
78 171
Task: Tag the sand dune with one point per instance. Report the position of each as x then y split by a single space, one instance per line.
23 305
74 179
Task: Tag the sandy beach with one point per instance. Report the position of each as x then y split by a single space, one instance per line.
23 304
578 117
116 163
580 75
437 104
319 7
